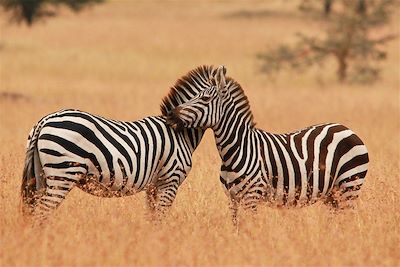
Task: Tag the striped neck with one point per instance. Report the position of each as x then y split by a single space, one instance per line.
236 124
193 137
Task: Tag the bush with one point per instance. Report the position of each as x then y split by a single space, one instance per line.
29 11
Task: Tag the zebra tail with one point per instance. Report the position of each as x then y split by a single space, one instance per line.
33 182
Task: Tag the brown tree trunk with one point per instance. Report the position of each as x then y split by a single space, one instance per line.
361 7
342 67
327 7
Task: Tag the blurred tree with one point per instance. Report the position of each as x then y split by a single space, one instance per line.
29 11
347 39
311 5
327 6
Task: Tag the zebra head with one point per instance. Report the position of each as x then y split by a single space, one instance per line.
205 109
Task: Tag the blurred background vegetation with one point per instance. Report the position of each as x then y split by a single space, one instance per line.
30 11
347 38
119 58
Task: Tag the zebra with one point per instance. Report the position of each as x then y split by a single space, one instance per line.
326 161
109 158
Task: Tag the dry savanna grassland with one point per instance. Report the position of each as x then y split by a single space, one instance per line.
118 60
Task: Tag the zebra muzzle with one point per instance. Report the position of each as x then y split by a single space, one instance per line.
174 121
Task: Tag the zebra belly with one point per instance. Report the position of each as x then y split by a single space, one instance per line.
273 194
99 189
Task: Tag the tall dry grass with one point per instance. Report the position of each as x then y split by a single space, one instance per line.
118 60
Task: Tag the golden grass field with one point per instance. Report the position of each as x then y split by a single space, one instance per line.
118 60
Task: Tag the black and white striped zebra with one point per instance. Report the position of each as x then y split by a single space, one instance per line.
110 158
326 161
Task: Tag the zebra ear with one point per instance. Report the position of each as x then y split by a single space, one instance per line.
220 78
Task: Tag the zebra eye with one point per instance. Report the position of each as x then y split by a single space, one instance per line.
205 98
213 82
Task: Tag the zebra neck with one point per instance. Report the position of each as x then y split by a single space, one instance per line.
234 130
193 137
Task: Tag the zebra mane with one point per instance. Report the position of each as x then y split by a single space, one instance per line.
195 81
187 87
235 86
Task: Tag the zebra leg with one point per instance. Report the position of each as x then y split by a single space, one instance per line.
350 189
234 207
331 199
151 196
252 198
56 190
250 203
345 194
165 194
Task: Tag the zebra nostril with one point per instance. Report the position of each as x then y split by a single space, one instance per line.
170 119
173 119
177 110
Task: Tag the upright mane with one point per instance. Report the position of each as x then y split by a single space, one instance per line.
195 81
187 87
234 86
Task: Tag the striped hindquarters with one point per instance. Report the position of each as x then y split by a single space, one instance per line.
309 163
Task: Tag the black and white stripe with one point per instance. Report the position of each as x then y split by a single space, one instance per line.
108 158
326 161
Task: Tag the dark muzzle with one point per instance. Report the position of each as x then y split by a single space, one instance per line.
173 119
